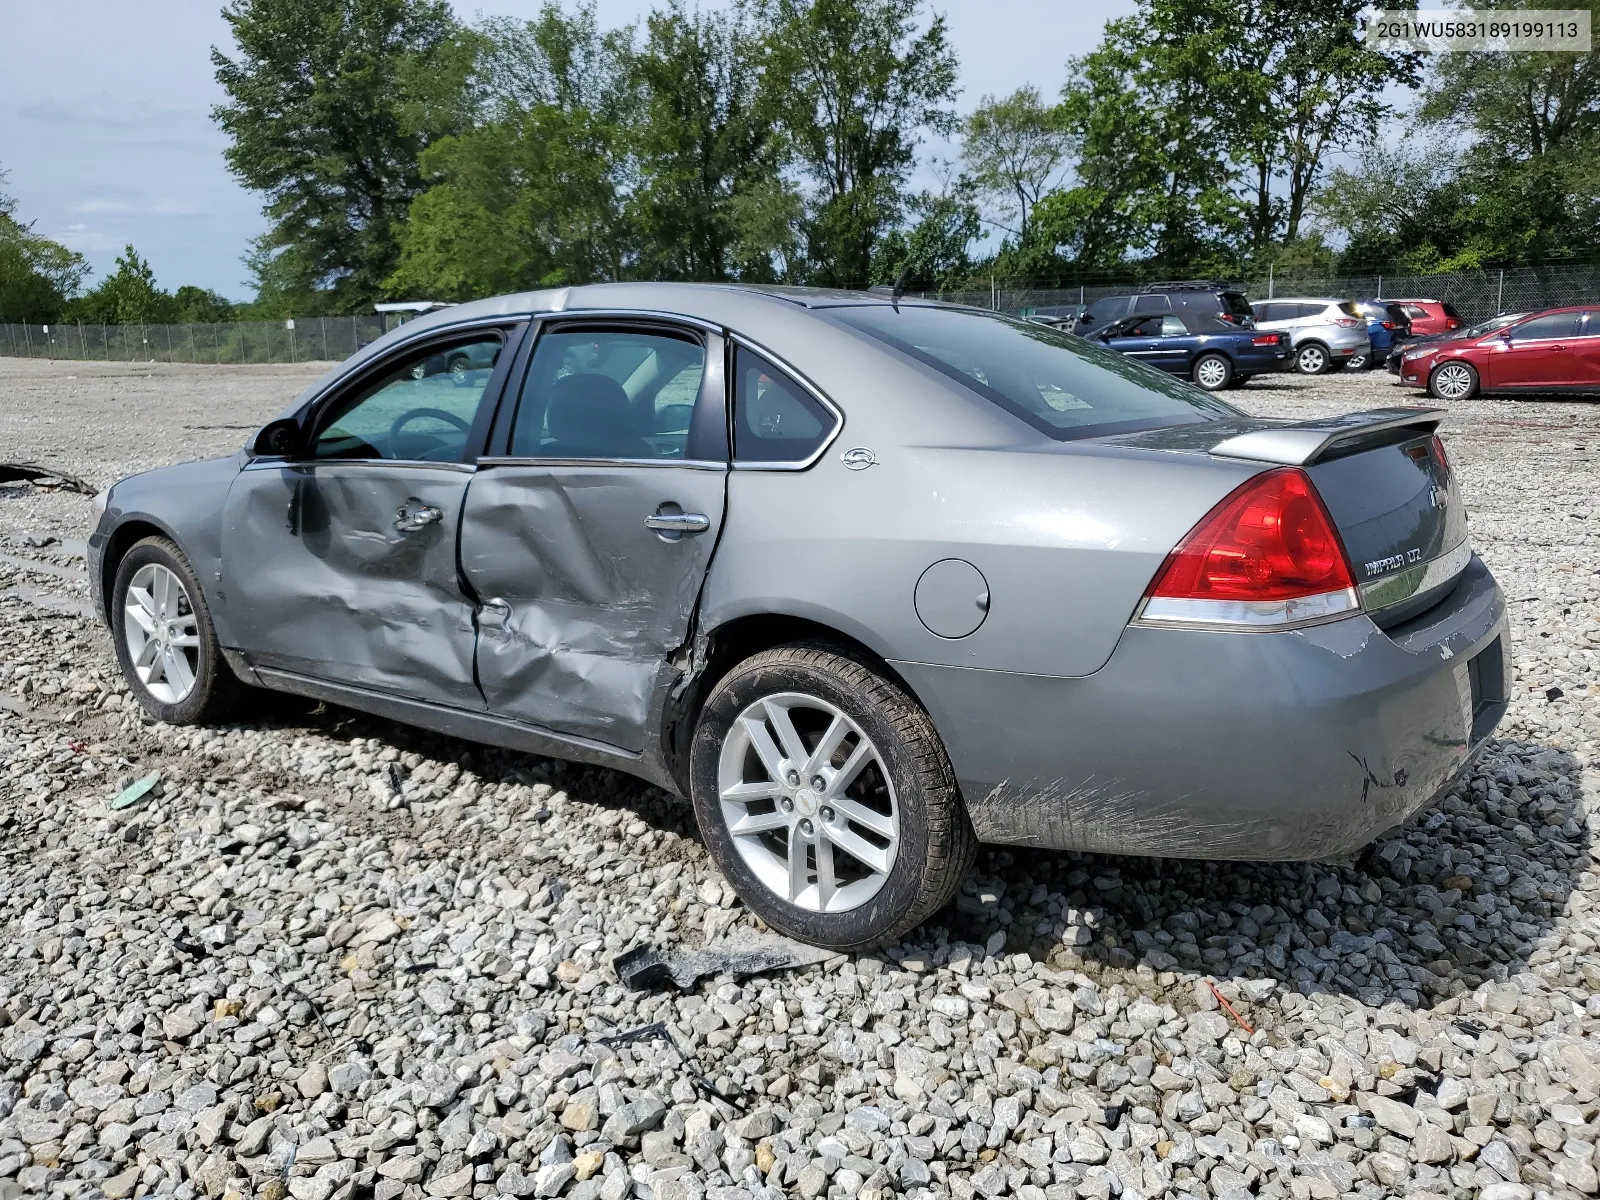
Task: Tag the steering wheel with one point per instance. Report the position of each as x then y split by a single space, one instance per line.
415 414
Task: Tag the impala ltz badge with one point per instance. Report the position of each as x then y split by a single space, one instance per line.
859 458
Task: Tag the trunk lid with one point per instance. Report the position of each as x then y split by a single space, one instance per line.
1385 484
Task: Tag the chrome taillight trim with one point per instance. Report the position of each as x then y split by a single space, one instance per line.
1247 616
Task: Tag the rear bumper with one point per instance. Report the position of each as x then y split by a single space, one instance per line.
1299 745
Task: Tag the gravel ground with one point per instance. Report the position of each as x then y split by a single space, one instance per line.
330 956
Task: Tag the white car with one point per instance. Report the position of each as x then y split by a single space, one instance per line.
1325 334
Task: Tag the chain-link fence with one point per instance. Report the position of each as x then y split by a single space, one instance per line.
304 339
1475 294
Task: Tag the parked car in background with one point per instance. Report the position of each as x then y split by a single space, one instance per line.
1428 317
1387 327
1212 353
1557 350
1397 354
1325 334
1194 298
758 609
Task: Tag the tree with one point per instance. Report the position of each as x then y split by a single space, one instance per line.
37 275
201 306
533 197
1154 175
1531 167
128 296
859 84
710 202
933 252
331 103
1015 149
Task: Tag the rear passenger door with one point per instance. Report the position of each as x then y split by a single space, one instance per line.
589 525
1175 345
1586 351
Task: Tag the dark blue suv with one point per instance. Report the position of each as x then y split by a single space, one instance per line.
1212 352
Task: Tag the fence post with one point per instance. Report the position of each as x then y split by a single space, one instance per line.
1500 296
323 321
29 336
1269 281
1380 287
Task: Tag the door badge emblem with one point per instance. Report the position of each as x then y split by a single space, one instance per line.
859 458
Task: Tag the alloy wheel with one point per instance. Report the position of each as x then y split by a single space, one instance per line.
1452 382
1312 360
808 801
162 633
1358 362
1211 374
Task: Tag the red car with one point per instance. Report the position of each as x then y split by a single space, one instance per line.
1557 350
1429 316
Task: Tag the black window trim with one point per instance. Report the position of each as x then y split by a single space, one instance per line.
511 330
736 340
708 426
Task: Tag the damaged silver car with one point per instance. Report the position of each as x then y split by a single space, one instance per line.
868 581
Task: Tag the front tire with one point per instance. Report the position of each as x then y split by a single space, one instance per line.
1453 381
826 798
1213 372
165 642
1313 359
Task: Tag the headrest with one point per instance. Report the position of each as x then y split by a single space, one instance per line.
590 411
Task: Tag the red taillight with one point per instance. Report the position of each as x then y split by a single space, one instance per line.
1346 322
1452 323
1270 339
1438 451
1390 325
1270 540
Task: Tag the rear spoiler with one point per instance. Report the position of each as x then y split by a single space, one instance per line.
1303 442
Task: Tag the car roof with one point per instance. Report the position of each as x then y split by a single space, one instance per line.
1300 300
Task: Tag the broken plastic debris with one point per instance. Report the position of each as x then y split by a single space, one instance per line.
135 791
648 967
43 476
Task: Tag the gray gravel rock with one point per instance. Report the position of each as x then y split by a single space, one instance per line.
331 956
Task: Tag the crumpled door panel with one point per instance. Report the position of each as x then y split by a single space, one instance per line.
340 571
582 603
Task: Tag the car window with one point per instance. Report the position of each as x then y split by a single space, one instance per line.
1063 386
1105 309
775 420
1147 327
1415 311
1172 326
1267 311
1151 304
608 393
1450 310
1306 309
1551 325
421 408
1349 309
1236 304
1592 328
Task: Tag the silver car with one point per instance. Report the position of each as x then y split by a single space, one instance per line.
868 582
1324 334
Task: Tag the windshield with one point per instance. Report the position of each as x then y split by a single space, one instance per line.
1489 326
1062 385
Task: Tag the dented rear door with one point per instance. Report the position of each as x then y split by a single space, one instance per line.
587 540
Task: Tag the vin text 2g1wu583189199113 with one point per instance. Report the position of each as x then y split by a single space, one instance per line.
867 581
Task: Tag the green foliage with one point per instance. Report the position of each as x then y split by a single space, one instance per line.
1015 148
128 296
330 105
933 252
37 276
858 82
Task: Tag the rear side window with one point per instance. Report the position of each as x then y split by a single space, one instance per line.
1172 326
775 420
1267 311
1552 325
1063 386
1151 304
1414 311
1349 309
1592 329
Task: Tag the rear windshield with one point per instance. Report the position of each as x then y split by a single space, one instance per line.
1349 309
1236 304
1062 385
1450 310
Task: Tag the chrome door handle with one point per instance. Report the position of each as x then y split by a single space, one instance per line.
678 522
409 520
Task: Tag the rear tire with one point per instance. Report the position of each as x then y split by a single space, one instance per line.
1453 381
1359 361
757 749
1313 359
1212 372
176 671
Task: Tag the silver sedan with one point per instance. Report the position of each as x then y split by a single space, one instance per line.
869 582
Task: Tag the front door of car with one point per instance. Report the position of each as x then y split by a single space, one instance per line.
1536 353
1586 349
339 562
587 533
1175 345
1136 337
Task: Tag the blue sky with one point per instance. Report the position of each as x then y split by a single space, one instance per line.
112 142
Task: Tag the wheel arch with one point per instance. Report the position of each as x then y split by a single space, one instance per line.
720 648
128 534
